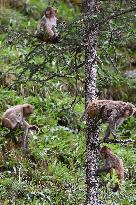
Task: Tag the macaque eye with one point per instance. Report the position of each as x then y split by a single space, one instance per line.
47 12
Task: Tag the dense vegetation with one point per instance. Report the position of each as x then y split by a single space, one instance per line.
51 77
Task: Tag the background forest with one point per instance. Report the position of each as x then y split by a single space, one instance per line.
52 78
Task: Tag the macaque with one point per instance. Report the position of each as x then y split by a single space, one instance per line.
14 118
112 161
47 27
112 112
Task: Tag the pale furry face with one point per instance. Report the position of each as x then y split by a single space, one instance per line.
127 113
50 12
27 110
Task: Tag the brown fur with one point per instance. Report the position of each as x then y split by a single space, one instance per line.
113 112
95 108
50 12
47 26
14 118
112 161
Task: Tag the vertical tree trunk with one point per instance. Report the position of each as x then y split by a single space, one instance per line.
3 3
89 8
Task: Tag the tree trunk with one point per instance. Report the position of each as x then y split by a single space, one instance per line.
89 8
3 4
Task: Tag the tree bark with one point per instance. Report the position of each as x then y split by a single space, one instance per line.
92 142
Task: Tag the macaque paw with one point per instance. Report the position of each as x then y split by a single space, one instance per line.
34 127
55 38
116 188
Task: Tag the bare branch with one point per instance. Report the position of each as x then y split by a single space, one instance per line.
119 141
116 15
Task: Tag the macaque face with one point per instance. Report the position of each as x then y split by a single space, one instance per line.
50 12
105 150
27 110
127 113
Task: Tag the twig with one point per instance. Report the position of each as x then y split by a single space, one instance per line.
116 15
118 141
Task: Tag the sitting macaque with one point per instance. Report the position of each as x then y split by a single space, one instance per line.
113 112
14 118
46 30
112 161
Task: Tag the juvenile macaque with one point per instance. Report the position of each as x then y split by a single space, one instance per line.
14 118
112 161
113 112
47 26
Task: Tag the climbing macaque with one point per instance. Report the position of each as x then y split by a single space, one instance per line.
112 161
46 30
113 112
14 118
